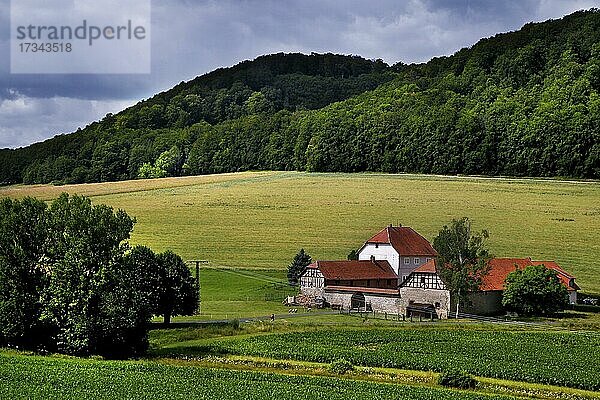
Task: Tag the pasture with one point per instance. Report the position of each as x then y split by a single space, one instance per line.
259 220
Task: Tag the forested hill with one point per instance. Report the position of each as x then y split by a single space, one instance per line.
523 103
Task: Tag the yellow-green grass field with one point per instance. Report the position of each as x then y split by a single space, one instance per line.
259 220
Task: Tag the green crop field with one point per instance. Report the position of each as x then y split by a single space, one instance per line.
31 377
259 220
537 357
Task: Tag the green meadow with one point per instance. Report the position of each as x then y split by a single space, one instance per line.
259 220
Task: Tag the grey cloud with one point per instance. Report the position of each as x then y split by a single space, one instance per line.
24 120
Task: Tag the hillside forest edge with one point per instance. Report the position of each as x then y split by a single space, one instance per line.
523 103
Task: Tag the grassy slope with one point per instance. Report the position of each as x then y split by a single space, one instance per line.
259 220
230 294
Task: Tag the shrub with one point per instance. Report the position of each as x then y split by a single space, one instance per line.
457 379
341 366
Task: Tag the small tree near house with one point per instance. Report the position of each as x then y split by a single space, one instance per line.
353 255
535 290
463 258
297 267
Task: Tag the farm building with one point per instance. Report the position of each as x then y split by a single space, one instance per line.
401 246
489 298
396 273
390 266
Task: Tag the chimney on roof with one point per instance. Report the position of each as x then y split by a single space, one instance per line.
390 225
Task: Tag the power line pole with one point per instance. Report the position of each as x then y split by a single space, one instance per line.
198 262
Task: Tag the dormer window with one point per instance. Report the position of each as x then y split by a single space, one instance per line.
406 260
417 261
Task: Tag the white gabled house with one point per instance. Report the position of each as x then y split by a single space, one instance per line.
401 246
388 264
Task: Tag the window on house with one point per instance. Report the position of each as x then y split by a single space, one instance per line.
427 259
417 261
406 260
422 279
437 305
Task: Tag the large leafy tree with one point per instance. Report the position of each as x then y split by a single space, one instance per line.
69 283
23 270
297 266
463 258
166 282
88 242
178 292
535 290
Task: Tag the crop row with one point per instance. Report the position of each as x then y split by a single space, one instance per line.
28 377
558 358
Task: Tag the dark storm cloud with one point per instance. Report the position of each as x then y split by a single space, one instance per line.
193 37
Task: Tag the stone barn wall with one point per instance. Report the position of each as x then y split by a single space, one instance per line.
381 303
312 292
426 296
384 303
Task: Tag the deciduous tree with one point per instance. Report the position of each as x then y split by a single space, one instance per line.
177 292
535 290
463 258
23 271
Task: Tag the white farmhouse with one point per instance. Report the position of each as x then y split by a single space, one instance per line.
400 246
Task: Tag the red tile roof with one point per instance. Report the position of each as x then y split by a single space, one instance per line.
428 267
501 267
405 241
355 270
567 279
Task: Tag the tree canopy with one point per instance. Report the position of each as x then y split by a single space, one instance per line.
69 283
463 258
535 290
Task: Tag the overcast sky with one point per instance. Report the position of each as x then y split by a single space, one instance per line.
189 38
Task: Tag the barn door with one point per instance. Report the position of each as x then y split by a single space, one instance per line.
358 301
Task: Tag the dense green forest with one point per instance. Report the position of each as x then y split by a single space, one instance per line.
523 103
